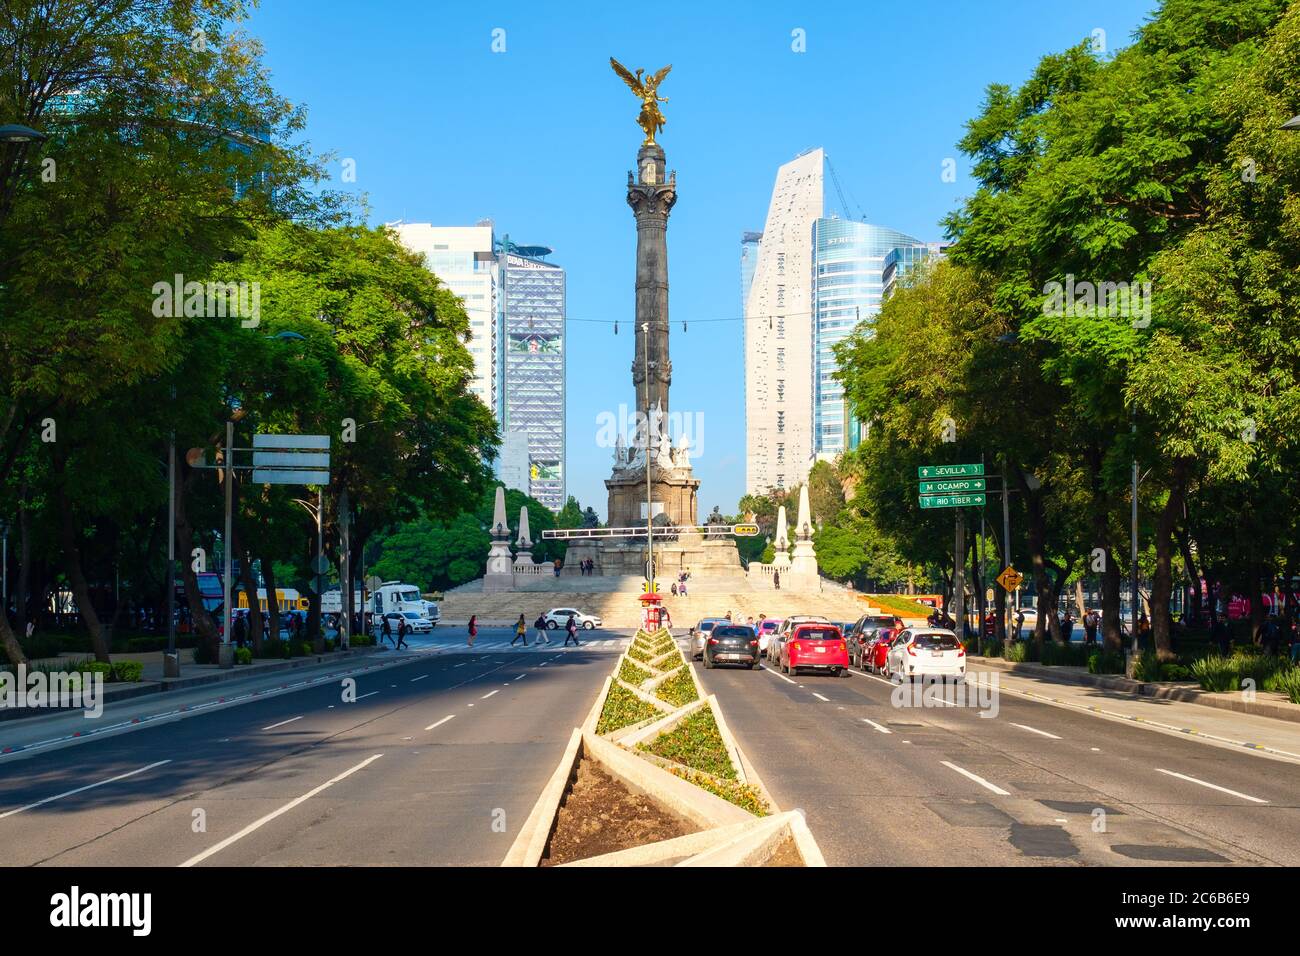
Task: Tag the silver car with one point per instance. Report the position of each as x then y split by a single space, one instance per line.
700 635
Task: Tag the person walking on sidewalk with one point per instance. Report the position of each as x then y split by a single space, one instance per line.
571 632
387 633
401 636
540 626
473 629
521 632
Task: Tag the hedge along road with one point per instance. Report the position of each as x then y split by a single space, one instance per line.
911 786
438 761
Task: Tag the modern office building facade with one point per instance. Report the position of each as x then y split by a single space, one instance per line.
847 288
515 300
778 332
532 367
463 258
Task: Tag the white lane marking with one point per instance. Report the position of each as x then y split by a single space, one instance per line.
421 677
460 665
283 722
1212 786
767 670
1035 730
489 694
364 696
257 824
883 730
980 780
89 786
820 697
521 677
1096 749
439 723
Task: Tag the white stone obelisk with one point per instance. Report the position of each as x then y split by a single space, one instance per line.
803 567
524 557
500 576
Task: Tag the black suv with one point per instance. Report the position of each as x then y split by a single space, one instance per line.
731 644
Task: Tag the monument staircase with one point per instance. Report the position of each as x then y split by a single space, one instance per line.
614 600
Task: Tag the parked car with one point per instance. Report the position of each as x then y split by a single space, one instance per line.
731 644
926 652
699 634
558 617
766 628
819 646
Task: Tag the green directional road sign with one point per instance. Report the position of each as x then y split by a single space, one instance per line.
952 486
951 501
949 471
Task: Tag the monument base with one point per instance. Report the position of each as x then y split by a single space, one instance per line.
699 555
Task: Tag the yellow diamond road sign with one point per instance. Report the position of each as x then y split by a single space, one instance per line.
1010 579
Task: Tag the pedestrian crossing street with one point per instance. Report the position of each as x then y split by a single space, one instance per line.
612 644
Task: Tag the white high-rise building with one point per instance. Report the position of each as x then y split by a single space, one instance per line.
778 332
464 259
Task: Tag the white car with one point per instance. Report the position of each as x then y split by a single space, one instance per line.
415 623
558 617
926 652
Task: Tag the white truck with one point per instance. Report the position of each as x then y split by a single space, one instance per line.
396 596
331 602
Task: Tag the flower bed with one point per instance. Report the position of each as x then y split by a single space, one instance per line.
678 690
622 709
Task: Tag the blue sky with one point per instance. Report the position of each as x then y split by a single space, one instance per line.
540 139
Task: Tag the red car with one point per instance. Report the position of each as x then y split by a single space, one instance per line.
820 646
876 649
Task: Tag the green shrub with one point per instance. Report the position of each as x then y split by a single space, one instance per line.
205 652
632 674
361 640
678 689
273 648
302 649
1147 667
1065 655
1106 662
991 648
243 655
697 743
1215 673
1256 666
1018 652
1286 682
1171 671
622 709
128 672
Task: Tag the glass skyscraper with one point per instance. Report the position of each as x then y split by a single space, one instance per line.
531 380
847 287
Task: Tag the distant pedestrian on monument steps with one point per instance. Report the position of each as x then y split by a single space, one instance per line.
473 629
674 589
776 579
521 632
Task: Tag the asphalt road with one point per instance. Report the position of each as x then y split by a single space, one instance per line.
437 761
941 785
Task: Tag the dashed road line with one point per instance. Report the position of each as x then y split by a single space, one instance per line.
1034 730
978 779
1212 786
283 722
257 824
89 786
880 729
439 723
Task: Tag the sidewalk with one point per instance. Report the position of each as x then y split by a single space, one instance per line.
1112 697
192 675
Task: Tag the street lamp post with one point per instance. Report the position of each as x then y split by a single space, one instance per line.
17 133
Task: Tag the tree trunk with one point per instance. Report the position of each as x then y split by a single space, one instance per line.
1035 534
272 602
205 628
249 585
1112 635
77 578
9 640
1193 575
1162 580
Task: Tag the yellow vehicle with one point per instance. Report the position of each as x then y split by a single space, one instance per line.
288 599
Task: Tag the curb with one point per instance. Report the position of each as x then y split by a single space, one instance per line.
1191 695
120 692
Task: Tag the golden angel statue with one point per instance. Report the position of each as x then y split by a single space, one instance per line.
651 119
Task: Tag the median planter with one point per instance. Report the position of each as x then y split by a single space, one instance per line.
653 778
